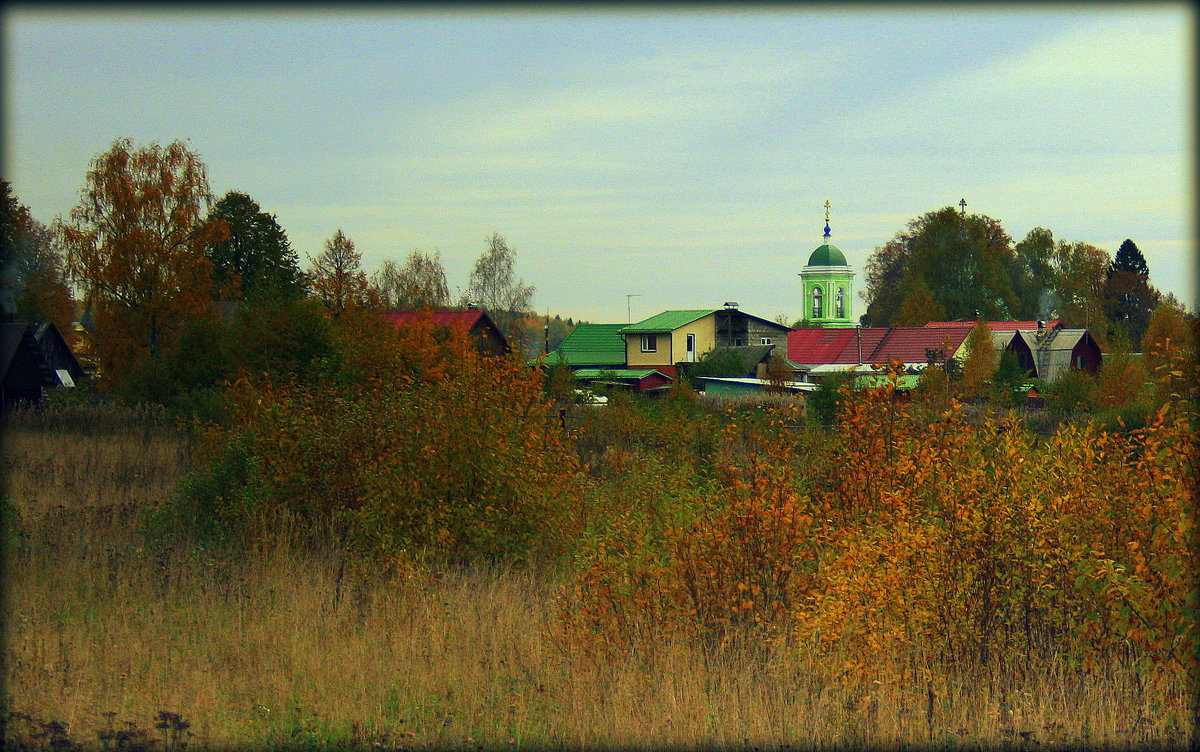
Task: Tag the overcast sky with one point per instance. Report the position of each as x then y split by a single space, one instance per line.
682 156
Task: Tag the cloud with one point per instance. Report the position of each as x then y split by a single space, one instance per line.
1091 88
677 89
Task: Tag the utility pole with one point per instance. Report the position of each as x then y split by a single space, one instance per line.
628 310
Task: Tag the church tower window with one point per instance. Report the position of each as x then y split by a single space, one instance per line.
818 307
841 303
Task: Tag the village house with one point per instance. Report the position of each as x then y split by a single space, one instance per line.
646 380
487 336
1044 349
826 351
34 359
672 338
590 346
595 353
828 342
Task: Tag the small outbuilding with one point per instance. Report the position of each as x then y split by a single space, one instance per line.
633 379
487 336
34 358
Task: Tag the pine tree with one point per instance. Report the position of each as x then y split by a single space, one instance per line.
1129 259
1129 300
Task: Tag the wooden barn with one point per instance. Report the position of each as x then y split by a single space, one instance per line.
488 337
34 359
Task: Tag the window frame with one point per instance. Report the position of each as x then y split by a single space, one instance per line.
649 343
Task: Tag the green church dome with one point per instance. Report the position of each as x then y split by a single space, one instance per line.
827 255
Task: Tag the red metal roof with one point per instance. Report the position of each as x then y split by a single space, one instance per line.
814 346
1000 326
908 344
467 318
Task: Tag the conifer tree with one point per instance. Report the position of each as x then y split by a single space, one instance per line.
255 259
1128 296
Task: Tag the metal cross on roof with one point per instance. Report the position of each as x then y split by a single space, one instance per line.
827 217
962 202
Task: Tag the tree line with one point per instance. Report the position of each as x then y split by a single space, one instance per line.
949 265
151 254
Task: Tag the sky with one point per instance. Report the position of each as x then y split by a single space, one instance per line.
637 159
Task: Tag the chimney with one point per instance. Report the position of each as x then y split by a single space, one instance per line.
731 305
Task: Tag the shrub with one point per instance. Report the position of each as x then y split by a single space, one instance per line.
442 454
1071 394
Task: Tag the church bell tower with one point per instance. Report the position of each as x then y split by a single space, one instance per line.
827 281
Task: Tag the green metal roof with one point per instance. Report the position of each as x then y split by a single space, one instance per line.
615 373
667 321
876 380
591 345
827 255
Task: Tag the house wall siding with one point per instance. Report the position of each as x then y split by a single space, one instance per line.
635 358
705 332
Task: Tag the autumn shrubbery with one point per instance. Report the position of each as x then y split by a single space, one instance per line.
416 448
283 339
906 541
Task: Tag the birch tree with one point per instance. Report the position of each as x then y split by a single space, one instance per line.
135 245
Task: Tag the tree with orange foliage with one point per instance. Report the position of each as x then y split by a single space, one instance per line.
135 243
1080 271
919 306
337 277
981 362
1170 351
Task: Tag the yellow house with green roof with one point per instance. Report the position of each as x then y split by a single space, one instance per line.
674 337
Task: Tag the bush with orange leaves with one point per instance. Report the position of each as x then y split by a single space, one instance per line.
905 540
420 448
719 551
979 543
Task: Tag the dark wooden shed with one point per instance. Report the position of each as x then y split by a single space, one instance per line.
34 358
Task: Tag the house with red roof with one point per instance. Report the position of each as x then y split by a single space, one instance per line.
1004 326
475 321
824 351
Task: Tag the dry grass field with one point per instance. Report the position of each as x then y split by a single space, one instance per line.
107 630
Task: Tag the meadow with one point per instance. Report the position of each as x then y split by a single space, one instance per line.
122 636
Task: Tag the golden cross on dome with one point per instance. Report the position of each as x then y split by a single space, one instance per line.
827 211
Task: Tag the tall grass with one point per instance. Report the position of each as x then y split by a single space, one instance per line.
294 647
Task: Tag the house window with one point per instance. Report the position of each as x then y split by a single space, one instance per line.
649 343
765 341
818 309
841 303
